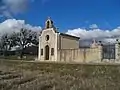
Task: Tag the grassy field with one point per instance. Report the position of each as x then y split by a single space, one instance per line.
16 75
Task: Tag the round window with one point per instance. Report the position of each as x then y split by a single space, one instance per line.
47 37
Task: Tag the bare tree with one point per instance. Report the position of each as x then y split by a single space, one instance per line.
23 39
5 44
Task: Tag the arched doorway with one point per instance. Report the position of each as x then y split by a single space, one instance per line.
46 52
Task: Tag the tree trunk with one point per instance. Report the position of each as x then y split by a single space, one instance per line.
21 53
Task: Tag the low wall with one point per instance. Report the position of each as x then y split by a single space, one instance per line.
117 52
80 55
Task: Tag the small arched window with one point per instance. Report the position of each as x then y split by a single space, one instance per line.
41 51
52 51
48 24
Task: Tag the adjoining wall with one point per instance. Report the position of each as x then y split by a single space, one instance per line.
93 54
80 55
68 42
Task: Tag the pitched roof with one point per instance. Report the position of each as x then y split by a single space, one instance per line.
63 34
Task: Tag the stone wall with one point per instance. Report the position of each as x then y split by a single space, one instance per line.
68 43
117 46
80 55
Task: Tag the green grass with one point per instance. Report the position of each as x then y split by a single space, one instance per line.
54 76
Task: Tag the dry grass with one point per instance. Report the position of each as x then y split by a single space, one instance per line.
49 76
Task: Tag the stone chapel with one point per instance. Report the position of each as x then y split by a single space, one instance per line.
51 42
61 47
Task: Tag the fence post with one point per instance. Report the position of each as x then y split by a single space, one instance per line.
100 51
117 51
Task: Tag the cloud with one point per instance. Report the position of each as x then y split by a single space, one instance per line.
96 33
10 7
93 26
13 25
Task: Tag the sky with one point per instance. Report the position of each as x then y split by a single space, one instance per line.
87 19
